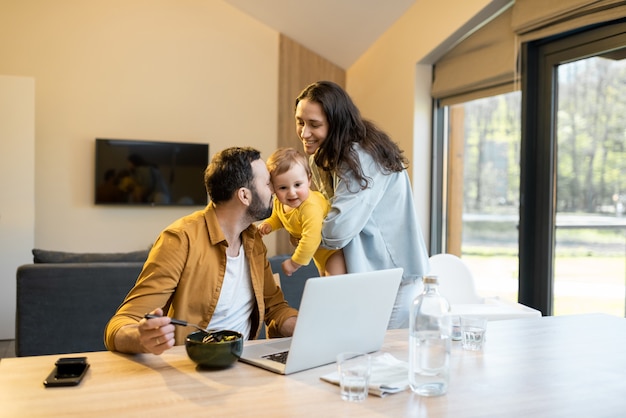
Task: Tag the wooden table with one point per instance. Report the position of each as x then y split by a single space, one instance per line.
569 366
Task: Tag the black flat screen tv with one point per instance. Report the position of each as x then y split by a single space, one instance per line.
150 173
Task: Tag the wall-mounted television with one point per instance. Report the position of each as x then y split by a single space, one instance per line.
150 173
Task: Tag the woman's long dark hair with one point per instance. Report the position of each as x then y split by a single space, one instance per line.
345 127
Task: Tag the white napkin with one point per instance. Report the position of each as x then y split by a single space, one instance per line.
389 375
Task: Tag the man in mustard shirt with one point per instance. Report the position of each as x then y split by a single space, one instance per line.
209 268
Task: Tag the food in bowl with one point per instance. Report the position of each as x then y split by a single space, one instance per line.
215 349
218 338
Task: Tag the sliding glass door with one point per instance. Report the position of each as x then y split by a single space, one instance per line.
573 185
533 182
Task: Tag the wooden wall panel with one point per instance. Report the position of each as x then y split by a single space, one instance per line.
298 67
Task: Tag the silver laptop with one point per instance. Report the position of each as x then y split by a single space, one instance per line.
348 312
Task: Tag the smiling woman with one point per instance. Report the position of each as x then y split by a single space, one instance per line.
364 174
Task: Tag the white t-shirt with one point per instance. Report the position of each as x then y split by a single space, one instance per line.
236 301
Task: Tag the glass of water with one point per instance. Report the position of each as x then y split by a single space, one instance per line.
354 375
473 331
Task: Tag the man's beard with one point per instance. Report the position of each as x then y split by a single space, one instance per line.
257 210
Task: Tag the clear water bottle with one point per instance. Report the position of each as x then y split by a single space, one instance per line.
430 330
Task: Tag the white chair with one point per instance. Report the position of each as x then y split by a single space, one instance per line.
456 282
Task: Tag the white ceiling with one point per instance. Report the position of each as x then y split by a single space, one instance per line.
338 30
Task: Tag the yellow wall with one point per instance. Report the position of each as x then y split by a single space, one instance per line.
185 70
17 183
382 81
175 70
390 83
192 70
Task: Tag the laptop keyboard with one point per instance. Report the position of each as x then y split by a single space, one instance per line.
279 357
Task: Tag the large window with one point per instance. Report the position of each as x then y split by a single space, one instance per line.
572 241
534 189
483 190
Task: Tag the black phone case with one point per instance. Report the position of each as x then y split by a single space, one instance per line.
68 371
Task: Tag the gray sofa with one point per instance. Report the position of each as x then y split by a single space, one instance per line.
64 300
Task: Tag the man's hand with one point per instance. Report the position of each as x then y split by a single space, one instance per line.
156 335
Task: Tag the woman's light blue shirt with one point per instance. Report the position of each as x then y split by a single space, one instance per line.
377 227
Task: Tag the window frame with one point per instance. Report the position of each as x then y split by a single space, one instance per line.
537 159
540 61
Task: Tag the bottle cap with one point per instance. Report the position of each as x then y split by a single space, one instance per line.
430 279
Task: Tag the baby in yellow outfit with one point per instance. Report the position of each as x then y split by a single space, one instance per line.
301 211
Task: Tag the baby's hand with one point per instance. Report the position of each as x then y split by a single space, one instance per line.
264 228
290 266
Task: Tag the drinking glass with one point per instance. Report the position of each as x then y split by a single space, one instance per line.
354 374
473 331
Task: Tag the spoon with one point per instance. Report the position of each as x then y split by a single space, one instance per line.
179 322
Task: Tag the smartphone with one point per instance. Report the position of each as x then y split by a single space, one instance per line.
68 371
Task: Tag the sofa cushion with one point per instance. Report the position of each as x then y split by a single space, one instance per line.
45 256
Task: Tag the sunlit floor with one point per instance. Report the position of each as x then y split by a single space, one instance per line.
581 287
